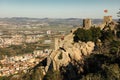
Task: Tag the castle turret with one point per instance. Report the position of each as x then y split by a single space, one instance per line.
87 23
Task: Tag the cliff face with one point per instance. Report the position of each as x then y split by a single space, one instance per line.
68 50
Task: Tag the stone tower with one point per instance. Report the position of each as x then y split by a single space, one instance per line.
87 23
56 44
107 19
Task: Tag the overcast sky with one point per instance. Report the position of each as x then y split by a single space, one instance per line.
59 8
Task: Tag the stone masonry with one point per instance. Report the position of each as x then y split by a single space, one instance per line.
87 23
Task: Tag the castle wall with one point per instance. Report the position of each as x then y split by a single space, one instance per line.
56 44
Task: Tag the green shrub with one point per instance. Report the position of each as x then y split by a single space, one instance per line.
53 75
87 35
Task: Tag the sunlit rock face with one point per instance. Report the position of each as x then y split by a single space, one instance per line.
60 59
63 56
68 50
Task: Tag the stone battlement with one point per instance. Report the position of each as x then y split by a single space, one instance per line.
87 23
107 19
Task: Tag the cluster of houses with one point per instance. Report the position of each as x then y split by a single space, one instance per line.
7 40
22 63
21 37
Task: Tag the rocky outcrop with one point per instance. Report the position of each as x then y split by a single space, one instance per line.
69 50
110 26
75 51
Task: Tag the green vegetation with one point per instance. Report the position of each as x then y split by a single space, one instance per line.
53 75
102 67
36 74
60 56
17 50
118 29
87 35
115 47
4 78
107 35
27 48
118 34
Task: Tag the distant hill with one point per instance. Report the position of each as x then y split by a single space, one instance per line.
51 21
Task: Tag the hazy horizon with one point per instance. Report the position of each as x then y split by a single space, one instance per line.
52 18
59 8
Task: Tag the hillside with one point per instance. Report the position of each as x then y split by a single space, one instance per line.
84 54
